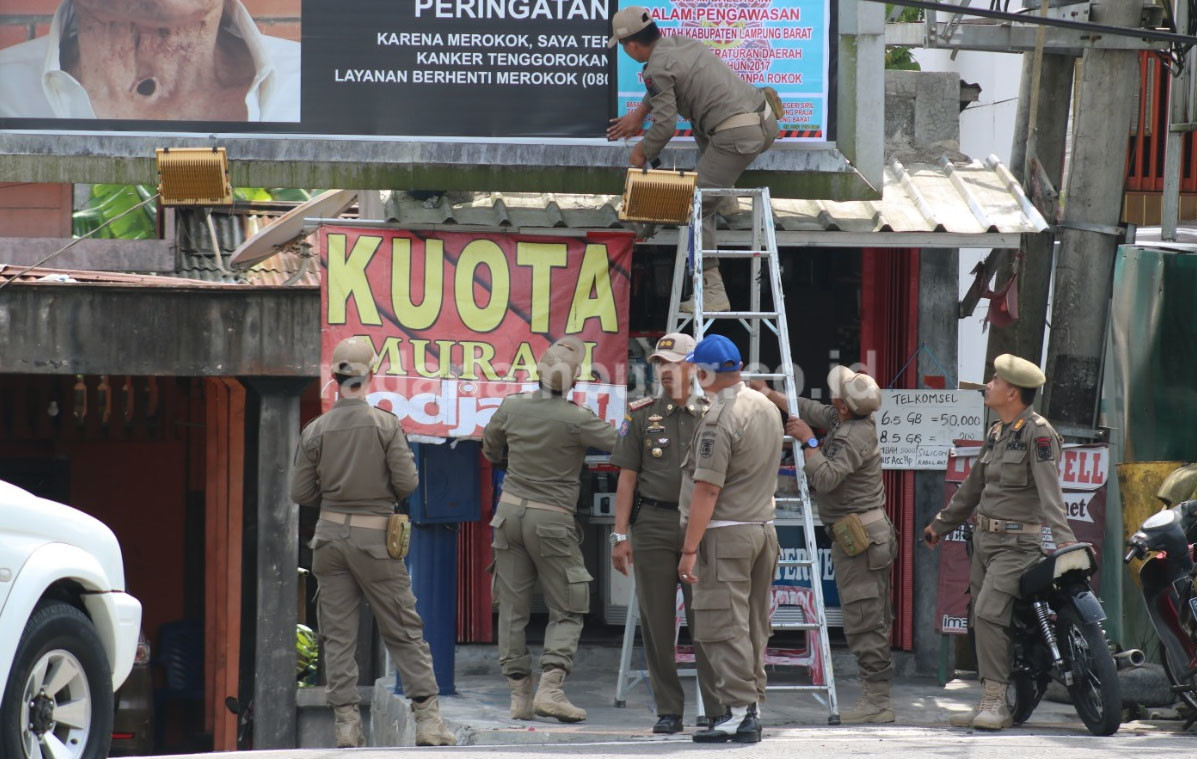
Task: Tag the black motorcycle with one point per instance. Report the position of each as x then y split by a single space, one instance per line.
1169 581
1057 635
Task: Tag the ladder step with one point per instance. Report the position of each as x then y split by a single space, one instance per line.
724 253
739 314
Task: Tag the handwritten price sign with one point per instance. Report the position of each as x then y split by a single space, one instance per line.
916 427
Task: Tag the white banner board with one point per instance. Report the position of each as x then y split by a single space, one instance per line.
916 427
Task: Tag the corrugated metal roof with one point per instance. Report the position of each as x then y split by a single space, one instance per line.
23 275
961 198
197 259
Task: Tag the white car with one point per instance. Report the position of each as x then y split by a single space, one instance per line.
68 631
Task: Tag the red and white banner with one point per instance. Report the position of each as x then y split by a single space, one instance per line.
1083 470
459 320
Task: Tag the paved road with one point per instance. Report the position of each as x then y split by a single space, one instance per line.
1137 739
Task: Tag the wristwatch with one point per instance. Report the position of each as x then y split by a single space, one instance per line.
616 538
812 443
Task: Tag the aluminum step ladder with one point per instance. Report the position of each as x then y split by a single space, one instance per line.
763 247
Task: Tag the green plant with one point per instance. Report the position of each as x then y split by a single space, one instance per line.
898 57
307 652
107 201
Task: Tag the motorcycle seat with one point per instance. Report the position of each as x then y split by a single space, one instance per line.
1078 556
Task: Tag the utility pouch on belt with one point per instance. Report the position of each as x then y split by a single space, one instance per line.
851 535
774 101
398 535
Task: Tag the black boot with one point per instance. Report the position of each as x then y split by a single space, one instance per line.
749 730
668 724
724 728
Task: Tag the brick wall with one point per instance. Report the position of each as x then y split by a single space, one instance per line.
35 210
22 20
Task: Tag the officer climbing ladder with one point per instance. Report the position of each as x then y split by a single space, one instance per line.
692 257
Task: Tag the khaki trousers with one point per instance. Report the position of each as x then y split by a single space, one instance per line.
863 582
723 157
350 562
735 569
999 561
656 550
531 544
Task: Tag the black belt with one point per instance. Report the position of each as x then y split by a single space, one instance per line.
659 504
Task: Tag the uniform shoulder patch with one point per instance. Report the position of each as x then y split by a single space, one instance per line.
833 449
642 403
1043 448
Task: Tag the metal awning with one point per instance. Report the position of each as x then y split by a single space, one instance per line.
946 204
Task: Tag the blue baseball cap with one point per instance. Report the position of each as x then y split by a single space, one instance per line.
716 353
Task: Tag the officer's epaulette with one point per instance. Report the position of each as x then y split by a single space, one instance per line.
642 403
996 429
385 411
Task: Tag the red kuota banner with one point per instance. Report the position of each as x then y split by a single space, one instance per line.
459 320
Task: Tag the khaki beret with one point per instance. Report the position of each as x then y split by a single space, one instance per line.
1018 371
559 365
859 391
353 357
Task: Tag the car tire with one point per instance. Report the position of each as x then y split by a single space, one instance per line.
59 648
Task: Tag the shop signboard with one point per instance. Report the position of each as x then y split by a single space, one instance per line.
459 320
1084 471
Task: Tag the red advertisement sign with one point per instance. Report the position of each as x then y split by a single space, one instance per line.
459 320
1084 471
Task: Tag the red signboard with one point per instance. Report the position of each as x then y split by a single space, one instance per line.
1083 471
459 320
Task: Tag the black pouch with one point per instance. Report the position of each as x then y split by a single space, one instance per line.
636 504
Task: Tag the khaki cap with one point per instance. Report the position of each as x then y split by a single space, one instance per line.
673 347
353 357
858 391
560 363
1018 371
627 22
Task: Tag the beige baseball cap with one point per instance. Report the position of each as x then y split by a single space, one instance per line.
353 357
1018 371
627 22
560 363
673 347
859 391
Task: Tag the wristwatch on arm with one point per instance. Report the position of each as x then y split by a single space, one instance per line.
616 538
810 444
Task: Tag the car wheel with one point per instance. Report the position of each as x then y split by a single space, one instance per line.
58 699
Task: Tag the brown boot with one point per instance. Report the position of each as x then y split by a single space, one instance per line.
964 719
993 714
348 723
521 698
430 728
551 701
872 706
714 294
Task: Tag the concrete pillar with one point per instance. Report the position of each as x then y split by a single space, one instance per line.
938 288
276 524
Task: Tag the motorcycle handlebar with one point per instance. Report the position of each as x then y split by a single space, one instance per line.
1132 553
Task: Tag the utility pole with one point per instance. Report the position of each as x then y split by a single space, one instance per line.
1047 118
1178 120
1089 232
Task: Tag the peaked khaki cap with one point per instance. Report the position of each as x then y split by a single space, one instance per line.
353 357
627 22
859 391
673 347
1018 371
560 363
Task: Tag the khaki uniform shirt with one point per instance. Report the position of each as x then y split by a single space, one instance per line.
1014 479
653 441
846 468
354 459
736 447
544 438
684 77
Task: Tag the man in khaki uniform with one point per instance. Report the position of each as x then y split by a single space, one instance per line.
730 551
653 440
353 463
733 122
846 472
1015 488
543 437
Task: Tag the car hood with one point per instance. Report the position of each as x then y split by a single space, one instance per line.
24 514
